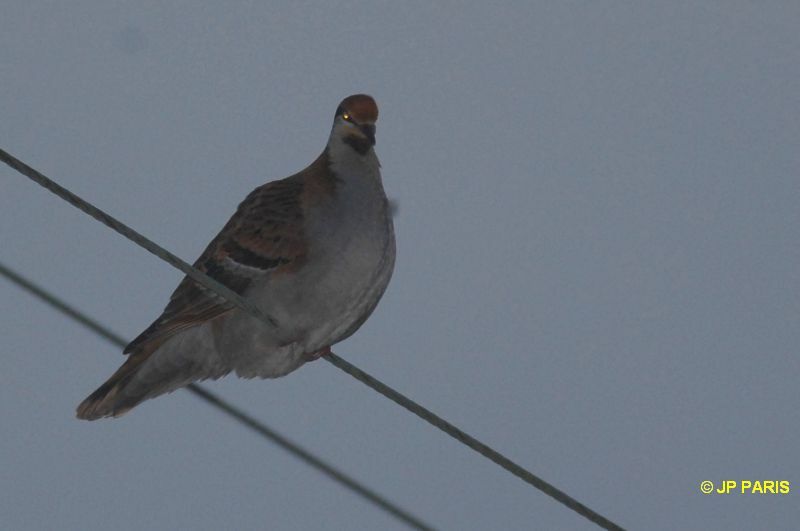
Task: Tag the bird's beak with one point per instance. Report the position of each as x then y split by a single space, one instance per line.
369 131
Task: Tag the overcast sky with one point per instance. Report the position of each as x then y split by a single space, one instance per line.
598 258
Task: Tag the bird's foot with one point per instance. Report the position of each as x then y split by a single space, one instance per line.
311 356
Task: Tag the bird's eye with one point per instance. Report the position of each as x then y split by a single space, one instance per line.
346 117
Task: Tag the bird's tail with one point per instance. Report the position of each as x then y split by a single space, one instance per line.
113 399
146 374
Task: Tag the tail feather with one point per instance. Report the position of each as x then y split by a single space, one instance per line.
109 400
155 368
144 375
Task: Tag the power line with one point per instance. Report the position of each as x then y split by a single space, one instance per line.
224 406
214 286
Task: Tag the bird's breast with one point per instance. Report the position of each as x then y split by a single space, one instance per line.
351 252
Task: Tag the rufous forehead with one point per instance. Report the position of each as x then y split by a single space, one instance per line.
362 107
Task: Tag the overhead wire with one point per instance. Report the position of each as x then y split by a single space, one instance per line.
226 407
372 382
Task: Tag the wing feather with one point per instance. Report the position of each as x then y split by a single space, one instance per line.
263 236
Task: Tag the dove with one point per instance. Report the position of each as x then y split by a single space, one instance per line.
314 251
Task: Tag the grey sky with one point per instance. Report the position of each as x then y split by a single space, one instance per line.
598 262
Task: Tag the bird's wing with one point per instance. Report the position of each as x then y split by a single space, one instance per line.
265 235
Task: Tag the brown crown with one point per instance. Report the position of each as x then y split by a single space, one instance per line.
361 106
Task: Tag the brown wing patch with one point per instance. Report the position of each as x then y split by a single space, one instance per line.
265 235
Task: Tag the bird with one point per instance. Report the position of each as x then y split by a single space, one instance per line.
314 251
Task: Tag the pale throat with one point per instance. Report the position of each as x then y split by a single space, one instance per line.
348 164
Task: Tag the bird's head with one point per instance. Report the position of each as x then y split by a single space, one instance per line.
354 123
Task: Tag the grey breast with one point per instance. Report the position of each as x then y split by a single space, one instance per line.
355 259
